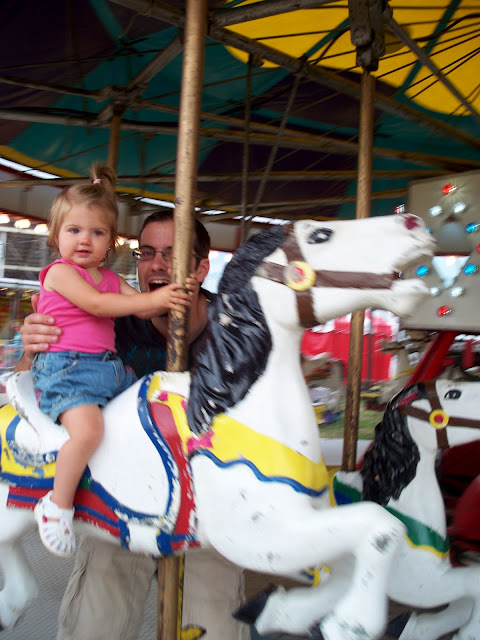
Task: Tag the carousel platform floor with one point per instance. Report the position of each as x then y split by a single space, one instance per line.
51 573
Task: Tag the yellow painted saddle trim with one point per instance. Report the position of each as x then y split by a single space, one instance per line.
231 441
8 464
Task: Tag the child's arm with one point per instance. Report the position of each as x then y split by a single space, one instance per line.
66 281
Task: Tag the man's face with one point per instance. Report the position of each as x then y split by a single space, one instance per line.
156 272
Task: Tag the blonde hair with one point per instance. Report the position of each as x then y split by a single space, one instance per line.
99 192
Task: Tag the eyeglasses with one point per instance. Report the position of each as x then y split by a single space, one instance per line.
144 254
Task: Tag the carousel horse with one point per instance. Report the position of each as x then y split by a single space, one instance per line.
398 472
230 457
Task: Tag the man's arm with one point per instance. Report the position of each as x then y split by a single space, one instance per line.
38 332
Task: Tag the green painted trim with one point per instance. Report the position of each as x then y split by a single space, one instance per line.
418 534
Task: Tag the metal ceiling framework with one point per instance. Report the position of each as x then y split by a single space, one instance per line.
247 132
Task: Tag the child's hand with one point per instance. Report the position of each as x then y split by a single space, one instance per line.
192 285
172 297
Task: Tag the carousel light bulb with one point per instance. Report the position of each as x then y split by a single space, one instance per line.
4 219
472 227
23 223
435 211
120 241
469 269
447 189
444 310
41 228
422 271
455 292
459 207
133 244
434 291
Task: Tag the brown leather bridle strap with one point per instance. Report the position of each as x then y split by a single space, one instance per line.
337 279
324 278
425 416
304 298
432 396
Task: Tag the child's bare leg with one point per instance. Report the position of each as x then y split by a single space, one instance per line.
85 428
54 512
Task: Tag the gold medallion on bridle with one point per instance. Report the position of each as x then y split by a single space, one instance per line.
438 419
299 275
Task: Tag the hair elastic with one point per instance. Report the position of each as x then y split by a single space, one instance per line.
97 181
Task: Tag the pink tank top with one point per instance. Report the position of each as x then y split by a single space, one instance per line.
82 331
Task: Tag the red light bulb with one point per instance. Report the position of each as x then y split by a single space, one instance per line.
443 311
448 188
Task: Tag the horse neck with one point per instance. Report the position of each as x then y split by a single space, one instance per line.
278 404
422 499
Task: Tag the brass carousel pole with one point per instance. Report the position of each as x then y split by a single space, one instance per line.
355 356
367 35
169 568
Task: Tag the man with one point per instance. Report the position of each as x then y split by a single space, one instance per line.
105 597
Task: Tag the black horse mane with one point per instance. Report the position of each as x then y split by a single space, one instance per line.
237 343
391 462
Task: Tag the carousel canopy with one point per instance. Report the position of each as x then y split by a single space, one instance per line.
280 102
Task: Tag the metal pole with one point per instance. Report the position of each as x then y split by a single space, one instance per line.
364 187
114 139
169 579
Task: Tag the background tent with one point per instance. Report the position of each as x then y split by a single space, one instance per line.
280 101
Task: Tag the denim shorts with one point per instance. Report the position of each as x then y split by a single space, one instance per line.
67 379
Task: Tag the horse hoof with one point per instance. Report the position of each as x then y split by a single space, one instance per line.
397 625
250 611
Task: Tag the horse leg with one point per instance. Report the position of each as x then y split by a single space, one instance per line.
278 532
19 588
19 585
437 585
430 625
301 608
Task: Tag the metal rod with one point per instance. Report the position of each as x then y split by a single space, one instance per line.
246 150
169 613
364 187
275 176
114 138
274 149
300 141
397 30
137 85
226 17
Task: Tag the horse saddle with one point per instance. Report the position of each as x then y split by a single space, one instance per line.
33 437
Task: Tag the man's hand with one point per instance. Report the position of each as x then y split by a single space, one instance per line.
38 332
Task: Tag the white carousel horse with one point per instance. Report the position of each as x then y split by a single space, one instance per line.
398 472
245 474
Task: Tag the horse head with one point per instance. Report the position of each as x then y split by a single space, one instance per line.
334 268
421 420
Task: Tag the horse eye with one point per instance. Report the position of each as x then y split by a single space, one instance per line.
453 394
319 235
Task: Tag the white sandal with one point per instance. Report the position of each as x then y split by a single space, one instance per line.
55 526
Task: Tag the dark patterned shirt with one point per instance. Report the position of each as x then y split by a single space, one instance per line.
142 347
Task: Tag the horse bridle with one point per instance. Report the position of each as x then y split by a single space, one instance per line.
299 276
437 416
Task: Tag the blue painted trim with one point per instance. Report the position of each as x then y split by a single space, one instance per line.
157 439
296 486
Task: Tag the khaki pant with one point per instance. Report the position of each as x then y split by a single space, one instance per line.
107 590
